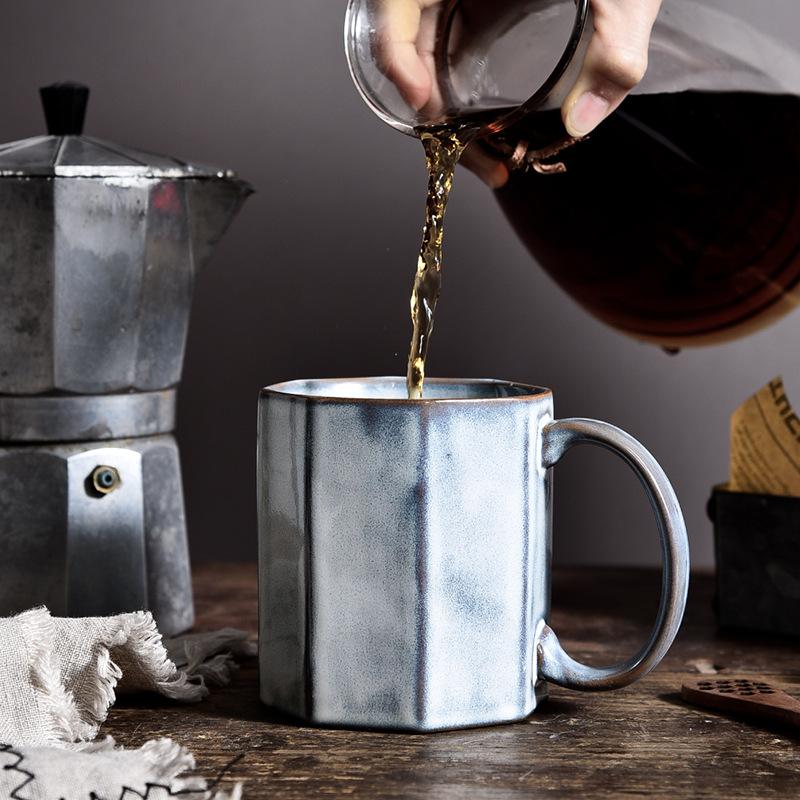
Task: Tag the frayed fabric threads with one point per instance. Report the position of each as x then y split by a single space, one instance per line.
58 679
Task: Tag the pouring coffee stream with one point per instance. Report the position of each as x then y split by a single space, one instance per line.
444 146
442 151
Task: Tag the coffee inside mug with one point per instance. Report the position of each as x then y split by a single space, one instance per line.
394 389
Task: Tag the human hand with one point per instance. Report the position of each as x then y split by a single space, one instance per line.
616 60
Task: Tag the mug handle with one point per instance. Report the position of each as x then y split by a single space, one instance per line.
554 663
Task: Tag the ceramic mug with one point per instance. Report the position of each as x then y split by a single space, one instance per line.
404 552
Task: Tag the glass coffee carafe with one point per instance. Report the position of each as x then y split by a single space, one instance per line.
677 220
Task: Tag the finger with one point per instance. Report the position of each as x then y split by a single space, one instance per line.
491 171
615 62
397 51
426 43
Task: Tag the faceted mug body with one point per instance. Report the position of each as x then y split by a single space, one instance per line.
404 556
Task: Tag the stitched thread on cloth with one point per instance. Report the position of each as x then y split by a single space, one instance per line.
36 774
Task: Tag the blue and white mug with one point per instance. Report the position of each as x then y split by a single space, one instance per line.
404 563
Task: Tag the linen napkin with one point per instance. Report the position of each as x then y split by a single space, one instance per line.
59 677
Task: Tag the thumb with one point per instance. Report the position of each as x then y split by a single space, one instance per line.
616 60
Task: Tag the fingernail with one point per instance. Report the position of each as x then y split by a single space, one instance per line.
588 111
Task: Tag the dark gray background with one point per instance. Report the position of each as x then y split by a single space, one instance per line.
313 278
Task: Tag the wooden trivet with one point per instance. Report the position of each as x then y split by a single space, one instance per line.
750 697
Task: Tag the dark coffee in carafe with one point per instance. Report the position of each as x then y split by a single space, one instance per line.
677 220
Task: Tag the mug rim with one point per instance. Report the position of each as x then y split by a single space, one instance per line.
287 390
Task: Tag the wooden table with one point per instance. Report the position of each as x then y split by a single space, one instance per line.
640 741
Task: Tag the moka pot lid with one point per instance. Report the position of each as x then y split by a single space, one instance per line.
66 153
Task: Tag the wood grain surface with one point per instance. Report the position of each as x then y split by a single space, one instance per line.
640 741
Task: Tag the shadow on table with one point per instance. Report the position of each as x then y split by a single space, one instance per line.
240 701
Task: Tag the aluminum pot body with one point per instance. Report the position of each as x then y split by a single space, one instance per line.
99 247
404 556
88 551
97 276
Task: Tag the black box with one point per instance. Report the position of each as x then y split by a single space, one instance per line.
757 545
